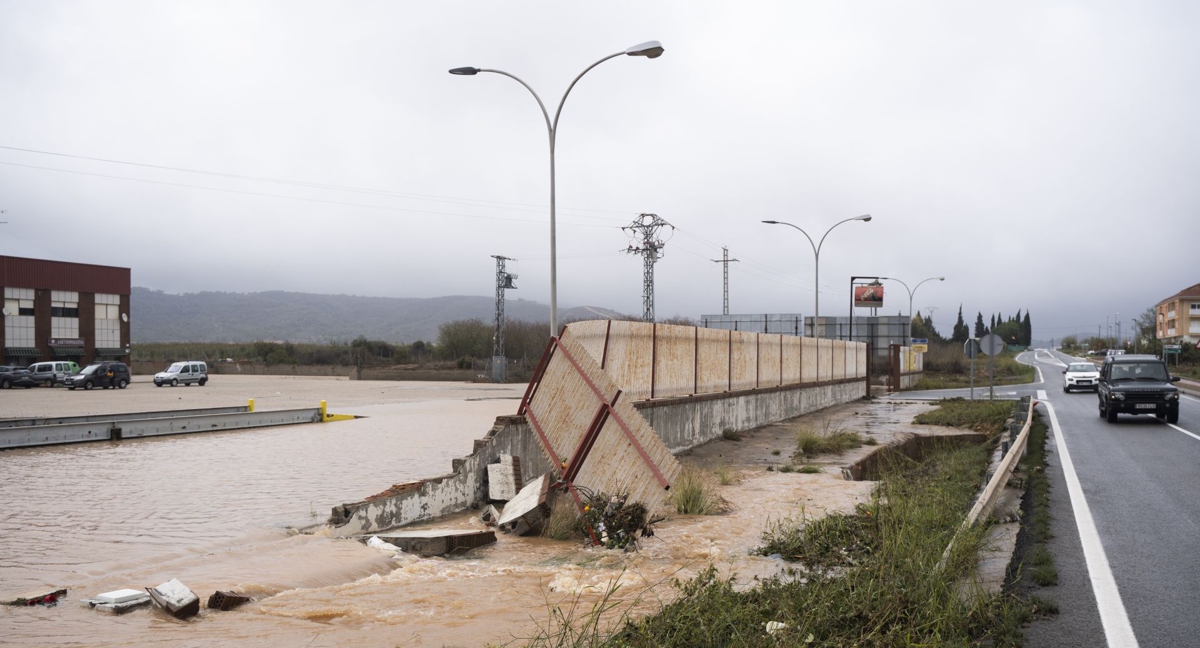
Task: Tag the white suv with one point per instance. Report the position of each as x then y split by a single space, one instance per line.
1081 375
192 371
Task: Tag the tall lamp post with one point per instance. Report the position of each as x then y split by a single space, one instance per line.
649 49
912 292
817 263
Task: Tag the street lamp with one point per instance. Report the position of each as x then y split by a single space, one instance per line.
910 296
649 49
817 262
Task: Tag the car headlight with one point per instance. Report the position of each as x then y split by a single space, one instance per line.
1174 396
1118 396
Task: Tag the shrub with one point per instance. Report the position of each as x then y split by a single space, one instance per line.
693 494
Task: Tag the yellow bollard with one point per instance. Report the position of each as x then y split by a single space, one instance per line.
251 405
324 413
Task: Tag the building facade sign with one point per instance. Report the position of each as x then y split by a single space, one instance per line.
65 342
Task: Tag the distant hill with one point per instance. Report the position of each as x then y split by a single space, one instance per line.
304 317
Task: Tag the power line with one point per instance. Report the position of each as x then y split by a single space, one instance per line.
724 261
644 230
472 202
296 198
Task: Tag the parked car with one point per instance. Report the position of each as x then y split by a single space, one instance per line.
100 374
52 373
191 371
16 377
1081 375
1137 384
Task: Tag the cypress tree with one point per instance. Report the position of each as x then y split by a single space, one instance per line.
980 330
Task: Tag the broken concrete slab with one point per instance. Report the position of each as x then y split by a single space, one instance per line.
225 601
43 596
118 601
175 597
438 542
529 510
504 478
490 515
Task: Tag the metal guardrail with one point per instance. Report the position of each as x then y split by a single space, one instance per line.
93 418
190 423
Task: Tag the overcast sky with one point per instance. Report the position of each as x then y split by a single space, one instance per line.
1016 148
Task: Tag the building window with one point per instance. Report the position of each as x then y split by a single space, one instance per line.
1194 308
108 321
18 318
64 314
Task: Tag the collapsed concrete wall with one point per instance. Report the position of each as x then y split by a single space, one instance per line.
738 381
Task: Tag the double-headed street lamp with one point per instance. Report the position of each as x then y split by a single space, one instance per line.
912 292
650 49
817 262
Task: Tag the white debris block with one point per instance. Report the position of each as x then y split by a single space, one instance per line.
504 478
175 593
526 512
121 596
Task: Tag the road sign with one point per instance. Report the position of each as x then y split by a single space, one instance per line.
971 348
920 345
991 344
1173 348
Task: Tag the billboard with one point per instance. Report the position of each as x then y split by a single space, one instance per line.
870 296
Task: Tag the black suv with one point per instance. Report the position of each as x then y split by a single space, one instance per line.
1137 384
100 374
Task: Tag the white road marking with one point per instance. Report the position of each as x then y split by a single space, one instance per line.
1113 617
1052 360
1196 437
1042 395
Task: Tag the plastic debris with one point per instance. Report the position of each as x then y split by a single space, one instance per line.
118 601
775 626
175 597
121 596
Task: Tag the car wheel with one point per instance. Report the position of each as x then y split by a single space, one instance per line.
174 382
1173 416
202 381
71 388
50 382
5 384
1111 415
122 383
88 385
1100 407
158 384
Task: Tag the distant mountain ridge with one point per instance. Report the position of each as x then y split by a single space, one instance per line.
156 316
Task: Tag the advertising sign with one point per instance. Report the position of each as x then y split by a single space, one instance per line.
868 296
65 342
920 345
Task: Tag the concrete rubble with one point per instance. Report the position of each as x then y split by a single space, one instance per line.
118 601
175 597
438 542
504 478
528 511
225 601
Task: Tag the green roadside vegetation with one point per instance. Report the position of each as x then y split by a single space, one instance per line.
985 416
875 577
947 367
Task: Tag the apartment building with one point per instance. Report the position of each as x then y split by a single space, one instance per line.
1178 317
65 311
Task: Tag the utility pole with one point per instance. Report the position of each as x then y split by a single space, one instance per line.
644 232
725 261
504 281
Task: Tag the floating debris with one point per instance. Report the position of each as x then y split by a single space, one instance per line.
435 542
118 601
47 597
175 597
225 601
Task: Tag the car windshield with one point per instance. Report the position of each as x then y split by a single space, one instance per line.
1085 368
90 369
1154 371
177 367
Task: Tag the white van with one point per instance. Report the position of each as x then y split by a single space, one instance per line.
51 373
191 371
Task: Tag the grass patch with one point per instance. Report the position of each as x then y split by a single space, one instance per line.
694 494
810 443
726 475
787 468
870 577
809 470
731 435
775 452
1044 575
982 416
947 367
563 522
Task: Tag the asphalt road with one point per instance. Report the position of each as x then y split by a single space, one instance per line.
1126 519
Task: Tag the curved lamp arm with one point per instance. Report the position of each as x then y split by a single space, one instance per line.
545 115
865 217
554 127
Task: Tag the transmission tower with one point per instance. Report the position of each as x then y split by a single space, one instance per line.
644 232
504 281
725 260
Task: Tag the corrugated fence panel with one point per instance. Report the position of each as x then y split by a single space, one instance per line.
809 360
744 369
768 360
629 356
862 360
590 335
564 405
675 361
838 351
791 359
714 360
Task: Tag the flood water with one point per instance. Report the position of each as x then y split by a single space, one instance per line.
214 510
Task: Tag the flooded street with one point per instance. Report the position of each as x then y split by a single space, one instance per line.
214 510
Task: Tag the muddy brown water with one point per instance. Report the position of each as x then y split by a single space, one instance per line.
214 511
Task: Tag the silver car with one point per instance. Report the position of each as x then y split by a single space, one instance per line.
1081 375
186 373
51 373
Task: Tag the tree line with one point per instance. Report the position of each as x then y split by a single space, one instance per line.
1016 329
